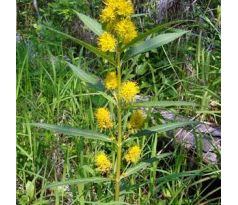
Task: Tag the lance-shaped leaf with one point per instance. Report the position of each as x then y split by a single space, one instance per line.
103 94
153 43
86 45
143 165
78 181
87 77
90 23
73 131
156 29
108 97
160 128
165 127
163 104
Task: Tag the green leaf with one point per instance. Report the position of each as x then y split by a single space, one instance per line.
164 127
74 131
153 43
156 29
101 94
163 104
98 100
86 45
91 24
143 165
86 76
170 126
78 181
108 97
159 129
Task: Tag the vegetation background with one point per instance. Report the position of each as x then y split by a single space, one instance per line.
187 69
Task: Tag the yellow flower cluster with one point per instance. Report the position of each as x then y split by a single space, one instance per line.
111 81
117 16
102 162
126 30
107 42
108 14
124 8
115 9
119 30
137 120
129 90
103 118
133 154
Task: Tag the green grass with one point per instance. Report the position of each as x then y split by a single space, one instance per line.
48 91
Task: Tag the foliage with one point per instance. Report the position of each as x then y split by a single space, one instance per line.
58 168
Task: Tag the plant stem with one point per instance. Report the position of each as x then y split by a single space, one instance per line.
119 139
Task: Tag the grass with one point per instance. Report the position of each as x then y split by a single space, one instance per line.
48 92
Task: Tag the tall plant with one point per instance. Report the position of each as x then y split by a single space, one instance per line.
118 42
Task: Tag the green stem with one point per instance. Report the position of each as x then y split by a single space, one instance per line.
119 139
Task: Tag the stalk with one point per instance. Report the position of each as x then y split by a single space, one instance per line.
119 138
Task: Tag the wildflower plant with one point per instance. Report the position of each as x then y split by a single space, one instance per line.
118 42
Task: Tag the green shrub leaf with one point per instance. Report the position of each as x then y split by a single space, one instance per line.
165 127
91 24
156 29
160 128
153 43
86 76
108 97
163 104
79 181
143 165
74 131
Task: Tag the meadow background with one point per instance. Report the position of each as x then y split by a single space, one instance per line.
47 91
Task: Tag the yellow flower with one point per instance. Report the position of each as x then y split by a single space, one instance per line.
126 30
103 118
129 90
111 80
107 42
133 154
137 120
107 15
124 8
115 9
102 162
